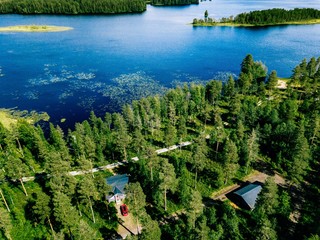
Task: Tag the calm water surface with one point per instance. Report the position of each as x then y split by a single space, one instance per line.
108 60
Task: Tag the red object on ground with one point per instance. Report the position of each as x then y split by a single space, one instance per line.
124 210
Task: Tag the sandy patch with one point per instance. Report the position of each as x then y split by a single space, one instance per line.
127 224
34 28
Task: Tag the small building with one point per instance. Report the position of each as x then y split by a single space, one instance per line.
246 197
118 183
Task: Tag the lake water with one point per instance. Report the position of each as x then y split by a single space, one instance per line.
108 60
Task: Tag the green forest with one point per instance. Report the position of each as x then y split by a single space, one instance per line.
267 17
238 127
74 7
277 15
71 6
174 2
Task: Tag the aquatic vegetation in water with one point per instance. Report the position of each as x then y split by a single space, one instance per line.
1 74
85 76
90 91
53 74
128 87
224 76
66 95
32 95
87 103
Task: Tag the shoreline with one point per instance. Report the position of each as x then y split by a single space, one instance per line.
35 28
229 24
10 116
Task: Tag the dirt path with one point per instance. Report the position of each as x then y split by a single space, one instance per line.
127 224
114 165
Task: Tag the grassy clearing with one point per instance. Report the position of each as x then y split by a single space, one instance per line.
9 117
6 119
34 28
229 24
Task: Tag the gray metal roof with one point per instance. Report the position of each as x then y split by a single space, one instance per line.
249 194
118 183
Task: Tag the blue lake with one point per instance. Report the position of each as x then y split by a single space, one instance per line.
108 60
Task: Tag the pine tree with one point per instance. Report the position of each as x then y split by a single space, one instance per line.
65 213
167 179
88 193
15 167
199 156
252 149
272 80
230 158
195 208
42 209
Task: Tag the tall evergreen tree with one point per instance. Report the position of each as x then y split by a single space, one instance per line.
43 210
199 156
15 167
252 149
65 213
195 208
168 181
88 193
230 159
272 80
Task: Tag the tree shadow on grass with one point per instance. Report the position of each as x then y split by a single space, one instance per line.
263 167
110 234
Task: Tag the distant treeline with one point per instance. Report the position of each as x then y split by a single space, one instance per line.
71 6
174 2
277 15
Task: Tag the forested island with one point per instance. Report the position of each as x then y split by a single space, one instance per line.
269 17
74 7
71 6
173 2
235 129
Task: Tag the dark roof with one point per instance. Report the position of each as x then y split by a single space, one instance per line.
118 183
249 194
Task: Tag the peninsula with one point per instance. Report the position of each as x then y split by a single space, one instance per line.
34 28
263 18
